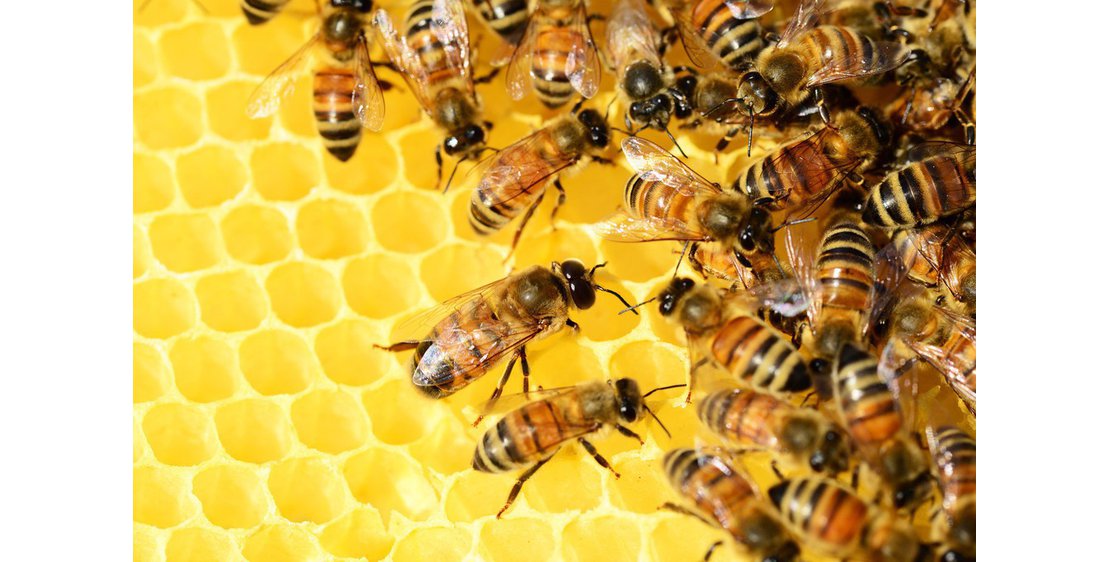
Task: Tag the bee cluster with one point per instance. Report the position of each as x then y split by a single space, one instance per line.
838 265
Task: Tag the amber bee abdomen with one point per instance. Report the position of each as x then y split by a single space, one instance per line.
829 516
490 208
336 121
530 433
954 455
743 417
790 175
921 193
261 11
759 356
870 412
735 41
846 268
910 244
507 17
476 321
418 34
554 42
856 54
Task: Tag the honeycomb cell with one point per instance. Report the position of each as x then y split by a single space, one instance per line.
547 490
357 534
197 51
516 540
193 544
594 193
455 269
162 12
140 258
448 436
418 153
395 213
185 243
162 308
566 362
541 246
346 352
231 302
640 262
144 66
282 542
210 175
284 171
604 321
621 539
380 285
652 364
474 494
276 362
329 229
179 434
232 496
402 108
227 116
138 442
145 544
151 374
405 491
256 235
168 117
203 368
153 184
409 415
664 328
680 537
307 490
160 497
433 543
329 420
297 116
642 487
303 294
262 48
373 167
254 430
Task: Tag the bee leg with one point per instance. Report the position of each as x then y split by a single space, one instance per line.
670 506
855 478
520 483
488 77
604 161
524 368
693 378
629 433
439 166
399 346
822 109
775 469
727 139
524 222
558 202
572 325
709 553
968 125
597 456
497 391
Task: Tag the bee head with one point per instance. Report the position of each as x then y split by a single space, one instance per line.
831 455
342 26
363 6
668 299
597 130
757 233
757 93
630 402
654 111
641 80
465 141
579 283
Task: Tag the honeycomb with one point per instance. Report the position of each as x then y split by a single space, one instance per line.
266 426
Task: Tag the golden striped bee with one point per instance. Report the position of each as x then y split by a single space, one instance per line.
643 79
719 330
724 497
507 18
953 453
721 31
699 99
938 182
470 333
261 11
936 254
556 57
517 176
346 93
868 410
753 421
533 433
834 521
433 55
666 200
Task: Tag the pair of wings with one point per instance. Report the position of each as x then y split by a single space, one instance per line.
793 170
523 165
456 338
367 98
449 28
631 37
699 51
945 254
582 66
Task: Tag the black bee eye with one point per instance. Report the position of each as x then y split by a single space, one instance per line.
452 145
474 134
747 239
817 461
581 288
629 401
666 304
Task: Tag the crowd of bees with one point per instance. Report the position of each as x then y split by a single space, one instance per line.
838 267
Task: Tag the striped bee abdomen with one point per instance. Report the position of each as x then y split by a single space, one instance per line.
508 18
332 104
655 199
419 35
458 349
712 484
549 61
789 176
921 193
847 51
513 184
758 355
735 41
954 455
522 437
870 412
845 268
828 515
743 417
261 11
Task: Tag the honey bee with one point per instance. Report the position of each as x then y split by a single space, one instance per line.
719 331
931 102
801 174
808 57
518 175
261 11
953 453
753 421
434 57
939 182
728 31
470 333
868 409
346 93
940 253
725 498
507 18
836 522
667 200
642 78
556 56
698 98
533 433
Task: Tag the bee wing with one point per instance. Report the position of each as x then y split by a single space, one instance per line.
890 54
623 227
267 97
652 163
890 273
419 327
933 148
749 9
804 19
455 341
696 48
903 385
518 76
944 254
630 36
450 28
956 367
511 402
784 296
800 252
521 166
367 98
406 60
583 67
718 260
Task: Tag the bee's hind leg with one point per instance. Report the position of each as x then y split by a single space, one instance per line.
558 202
399 346
500 388
519 484
597 456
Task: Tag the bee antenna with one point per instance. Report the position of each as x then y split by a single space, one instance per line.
792 223
634 307
619 130
452 176
615 294
676 145
595 268
658 421
608 107
751 129
663 388
714 109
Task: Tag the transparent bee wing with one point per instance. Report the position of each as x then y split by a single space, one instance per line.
518 77
583 67
509 402
804 19
631 36
267 97
749 9
784 296
407 61
888 54
890 273
450 28
653 163
457 341
800 252
367 99
623 227
419 327
517 170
